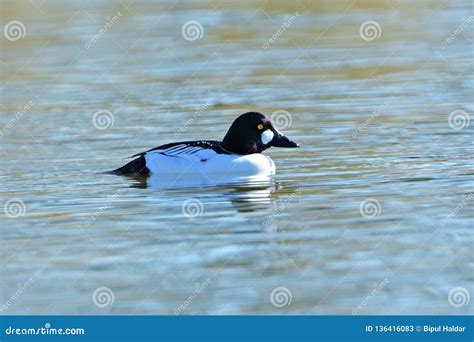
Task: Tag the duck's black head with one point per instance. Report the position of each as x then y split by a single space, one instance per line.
253 133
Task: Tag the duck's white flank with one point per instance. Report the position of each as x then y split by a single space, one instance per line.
203 160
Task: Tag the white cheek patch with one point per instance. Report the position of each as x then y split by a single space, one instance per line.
267 136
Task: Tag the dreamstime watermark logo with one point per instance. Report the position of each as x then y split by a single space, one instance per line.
103 119
14 208
280 297
192 30
377 287
46 330
286 24
370 30
452 37
14 30
197 291
377 111
102 297
458 297
21 288
108 24
281 119
282 207
192 207
459 119
108 203
21 110
370 208
193 119
465 200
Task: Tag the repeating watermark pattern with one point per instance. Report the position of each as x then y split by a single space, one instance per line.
103 119
282 207
370 30
192 207
281 119
459 119
108 203
108 25
14 208
458 297
452 37
377 111
286 24
465 200
192 30
346 231
193 119
21 288
377 287
21 110
103 296
370 208
281 297
14 30
197 291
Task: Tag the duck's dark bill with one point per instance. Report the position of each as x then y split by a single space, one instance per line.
282 141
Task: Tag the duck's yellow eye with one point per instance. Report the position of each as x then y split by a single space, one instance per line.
259 127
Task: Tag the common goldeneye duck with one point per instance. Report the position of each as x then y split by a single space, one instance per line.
238 153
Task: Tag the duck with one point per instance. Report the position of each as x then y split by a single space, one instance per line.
239 152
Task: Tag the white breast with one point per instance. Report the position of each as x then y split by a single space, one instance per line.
207 161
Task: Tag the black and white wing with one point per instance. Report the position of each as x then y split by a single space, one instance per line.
186 151
187 148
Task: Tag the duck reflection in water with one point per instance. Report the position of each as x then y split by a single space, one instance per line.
247 194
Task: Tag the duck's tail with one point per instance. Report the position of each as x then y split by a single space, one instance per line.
135 167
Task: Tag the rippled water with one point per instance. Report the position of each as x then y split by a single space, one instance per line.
373 214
